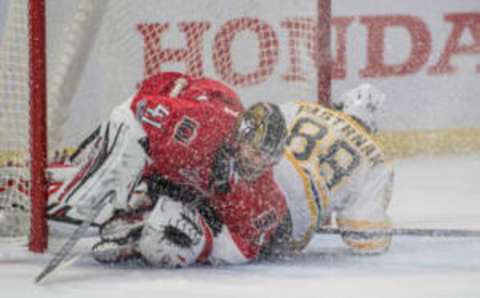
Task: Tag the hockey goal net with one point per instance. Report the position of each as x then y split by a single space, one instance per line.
86 56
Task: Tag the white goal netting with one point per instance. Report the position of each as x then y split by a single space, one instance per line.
98 51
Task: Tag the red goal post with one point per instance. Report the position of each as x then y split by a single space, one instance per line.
38 124
87 56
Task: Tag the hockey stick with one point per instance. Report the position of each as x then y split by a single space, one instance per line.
61 260
405 232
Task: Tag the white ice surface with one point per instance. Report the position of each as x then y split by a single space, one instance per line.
437 192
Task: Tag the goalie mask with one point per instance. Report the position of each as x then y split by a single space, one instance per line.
260 139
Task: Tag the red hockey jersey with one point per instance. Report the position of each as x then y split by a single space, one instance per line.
187 135
185 131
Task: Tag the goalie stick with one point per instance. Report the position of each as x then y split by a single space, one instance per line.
61 258
406 232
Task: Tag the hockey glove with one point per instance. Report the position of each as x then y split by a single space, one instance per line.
174 235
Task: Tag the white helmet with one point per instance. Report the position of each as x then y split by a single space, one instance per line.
363 103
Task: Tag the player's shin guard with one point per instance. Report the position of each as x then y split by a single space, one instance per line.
366 237
115 162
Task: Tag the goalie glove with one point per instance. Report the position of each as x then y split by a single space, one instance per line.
175 235
115 162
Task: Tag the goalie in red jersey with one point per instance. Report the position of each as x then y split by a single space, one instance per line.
204 163
208 192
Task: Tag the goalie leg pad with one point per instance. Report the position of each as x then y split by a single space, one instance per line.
119 238
114 252
115 162
123 226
